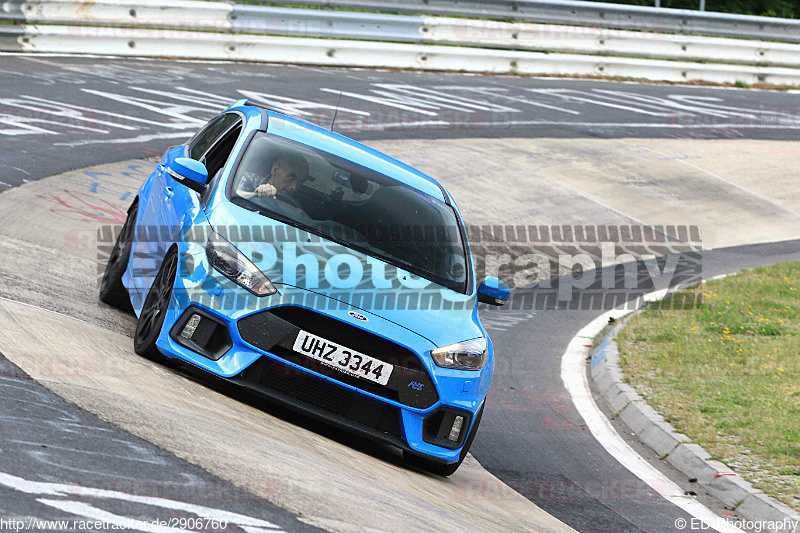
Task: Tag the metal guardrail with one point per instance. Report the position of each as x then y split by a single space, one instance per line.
268 20
595 14
569 12
170 43
184 14
322 23
384 40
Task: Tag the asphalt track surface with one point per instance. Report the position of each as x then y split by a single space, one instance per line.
57 114
50 441
534 439
62 113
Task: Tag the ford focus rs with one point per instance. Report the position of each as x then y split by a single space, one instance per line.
317 272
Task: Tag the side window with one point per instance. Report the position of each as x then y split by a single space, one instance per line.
217 156
201 142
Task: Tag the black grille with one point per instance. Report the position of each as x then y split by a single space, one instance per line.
331 398
350 336
316 366
275 331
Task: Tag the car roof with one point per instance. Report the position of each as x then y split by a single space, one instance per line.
331 142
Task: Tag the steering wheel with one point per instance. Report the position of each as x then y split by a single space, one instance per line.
283 197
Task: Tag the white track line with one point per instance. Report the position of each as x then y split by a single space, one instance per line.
131 140
573 373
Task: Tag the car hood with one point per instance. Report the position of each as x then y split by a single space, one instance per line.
440 315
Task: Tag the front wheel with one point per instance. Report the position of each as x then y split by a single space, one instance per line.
440 468
154 310
112 291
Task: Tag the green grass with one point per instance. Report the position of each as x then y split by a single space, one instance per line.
727 374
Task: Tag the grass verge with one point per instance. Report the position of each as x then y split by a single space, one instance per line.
727 373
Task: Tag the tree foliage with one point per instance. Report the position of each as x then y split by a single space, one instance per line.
768 8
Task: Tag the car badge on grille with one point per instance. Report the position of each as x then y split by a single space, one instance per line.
357 316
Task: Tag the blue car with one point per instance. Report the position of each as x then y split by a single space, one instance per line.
317 272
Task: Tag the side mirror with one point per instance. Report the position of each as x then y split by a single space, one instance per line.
493 292
189 172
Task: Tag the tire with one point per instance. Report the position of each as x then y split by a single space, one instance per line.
112 291
442 469
154 310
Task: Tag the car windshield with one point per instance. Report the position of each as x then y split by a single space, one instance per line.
355 206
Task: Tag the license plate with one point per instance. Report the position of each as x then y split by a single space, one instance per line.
343 359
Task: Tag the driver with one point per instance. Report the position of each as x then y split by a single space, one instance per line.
289 170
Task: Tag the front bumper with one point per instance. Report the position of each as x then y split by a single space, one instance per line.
255 353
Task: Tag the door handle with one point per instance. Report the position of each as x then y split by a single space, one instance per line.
168 192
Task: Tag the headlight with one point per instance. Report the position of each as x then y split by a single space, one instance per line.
467 355
232 264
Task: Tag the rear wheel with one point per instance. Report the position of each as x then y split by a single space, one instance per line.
112 291
442 469
154 310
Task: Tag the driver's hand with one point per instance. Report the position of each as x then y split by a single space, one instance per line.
266 189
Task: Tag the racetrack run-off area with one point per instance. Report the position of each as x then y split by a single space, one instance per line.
542 152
